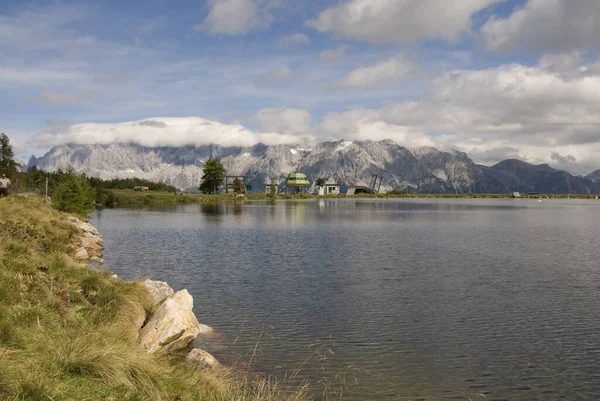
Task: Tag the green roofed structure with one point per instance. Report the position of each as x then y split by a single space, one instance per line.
298 181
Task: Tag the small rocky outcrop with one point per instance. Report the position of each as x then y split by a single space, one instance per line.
202 358
159 290
83 226
172 327
81 254
89 241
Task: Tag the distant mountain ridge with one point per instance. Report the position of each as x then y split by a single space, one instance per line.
420 170
595 176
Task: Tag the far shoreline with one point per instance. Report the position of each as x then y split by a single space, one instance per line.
125 198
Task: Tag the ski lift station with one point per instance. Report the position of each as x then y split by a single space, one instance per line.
297 181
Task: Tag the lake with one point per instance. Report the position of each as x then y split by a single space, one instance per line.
386 299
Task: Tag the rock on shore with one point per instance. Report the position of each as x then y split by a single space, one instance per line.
89 242
173 325
203 358
159 290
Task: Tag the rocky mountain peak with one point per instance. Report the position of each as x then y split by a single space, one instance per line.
424 169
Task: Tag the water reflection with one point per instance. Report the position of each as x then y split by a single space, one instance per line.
415 299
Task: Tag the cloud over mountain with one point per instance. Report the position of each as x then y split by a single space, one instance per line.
494 78
531 112
159 131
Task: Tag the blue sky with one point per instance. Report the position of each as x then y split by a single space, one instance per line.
494 78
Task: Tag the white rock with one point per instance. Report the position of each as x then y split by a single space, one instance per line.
81 254
96 238
172 327
202 357
97 259
83 226
205 330
159 290
90 243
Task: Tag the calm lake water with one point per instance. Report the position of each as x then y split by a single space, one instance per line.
386 299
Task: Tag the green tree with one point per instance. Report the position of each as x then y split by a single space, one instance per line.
74 194
8 165
238 186
214 176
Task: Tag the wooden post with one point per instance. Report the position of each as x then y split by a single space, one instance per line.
46 187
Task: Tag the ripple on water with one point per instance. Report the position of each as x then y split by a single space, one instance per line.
400 300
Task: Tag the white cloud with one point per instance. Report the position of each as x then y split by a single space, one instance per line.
236 17
280 74
20 75
159 131
284 121
564 64
67 97
384 71
334 54
294 39
400 21
546 25
508 111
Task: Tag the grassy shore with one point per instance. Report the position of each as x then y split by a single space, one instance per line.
133 198
66 331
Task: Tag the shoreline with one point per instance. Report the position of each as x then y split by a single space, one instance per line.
123 198
72 330
172 325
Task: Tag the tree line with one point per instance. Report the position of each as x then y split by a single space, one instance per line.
69 191
79 194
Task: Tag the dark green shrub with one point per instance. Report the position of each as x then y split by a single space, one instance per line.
74 194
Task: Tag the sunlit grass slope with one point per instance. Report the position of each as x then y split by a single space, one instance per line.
67 332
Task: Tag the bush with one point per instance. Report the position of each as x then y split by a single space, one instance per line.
74 194
398 192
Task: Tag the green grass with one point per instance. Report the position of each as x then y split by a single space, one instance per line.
68 333
133 198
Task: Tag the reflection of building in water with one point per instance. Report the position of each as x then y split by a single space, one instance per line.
321 207
296 212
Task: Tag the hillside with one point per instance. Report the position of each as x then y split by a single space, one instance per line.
68 332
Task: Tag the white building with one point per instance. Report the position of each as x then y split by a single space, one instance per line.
271 187
330 188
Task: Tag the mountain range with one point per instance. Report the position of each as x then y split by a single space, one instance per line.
420 170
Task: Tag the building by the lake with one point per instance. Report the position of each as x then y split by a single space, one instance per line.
329 188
